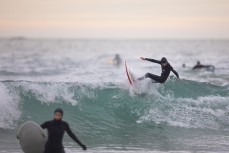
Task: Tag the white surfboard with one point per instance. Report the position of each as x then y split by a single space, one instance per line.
130 76
32 137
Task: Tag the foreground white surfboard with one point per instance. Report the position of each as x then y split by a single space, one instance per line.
32 137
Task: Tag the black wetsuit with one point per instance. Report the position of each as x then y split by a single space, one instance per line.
200 66
164 74
56 131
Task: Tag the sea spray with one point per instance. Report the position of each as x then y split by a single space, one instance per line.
9 107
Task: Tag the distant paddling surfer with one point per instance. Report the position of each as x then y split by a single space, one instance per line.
165 67
117 61
200 66
56 129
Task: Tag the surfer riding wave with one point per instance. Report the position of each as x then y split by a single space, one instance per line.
165 67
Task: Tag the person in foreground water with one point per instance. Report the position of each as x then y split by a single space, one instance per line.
56 129
165 67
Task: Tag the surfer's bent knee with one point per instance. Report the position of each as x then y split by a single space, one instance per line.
147 75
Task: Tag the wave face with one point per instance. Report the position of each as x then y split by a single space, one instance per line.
116 114
185 103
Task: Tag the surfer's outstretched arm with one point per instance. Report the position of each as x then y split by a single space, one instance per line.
73 136
175 72
151 60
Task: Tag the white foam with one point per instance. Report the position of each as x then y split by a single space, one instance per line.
51 93
203 112
143 87
9 107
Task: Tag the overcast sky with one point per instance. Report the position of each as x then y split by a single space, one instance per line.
135 19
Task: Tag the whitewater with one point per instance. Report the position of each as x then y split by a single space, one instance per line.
103 110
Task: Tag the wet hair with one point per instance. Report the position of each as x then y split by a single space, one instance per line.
163 60
59 110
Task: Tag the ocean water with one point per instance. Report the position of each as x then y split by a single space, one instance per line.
108 115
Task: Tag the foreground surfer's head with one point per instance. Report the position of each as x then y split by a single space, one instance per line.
164 61
58 114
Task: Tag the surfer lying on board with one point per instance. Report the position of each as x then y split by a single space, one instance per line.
56 129
165 67
200 66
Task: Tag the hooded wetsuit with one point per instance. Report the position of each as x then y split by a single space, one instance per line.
56 131
164 74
